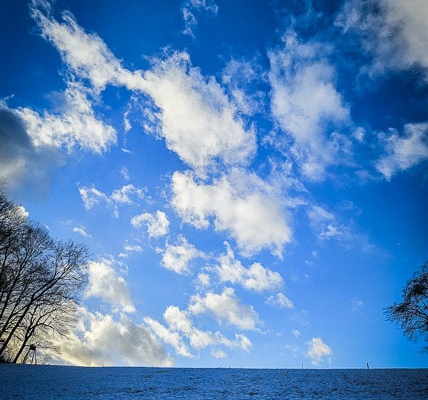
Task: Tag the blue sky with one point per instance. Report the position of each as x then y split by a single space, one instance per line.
250 177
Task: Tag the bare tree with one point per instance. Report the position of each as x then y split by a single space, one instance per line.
40 282
412 312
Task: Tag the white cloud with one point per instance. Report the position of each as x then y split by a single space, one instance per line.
318 351
189 104
239 76
177 257
106 284
225 306
122 195
127 195
280 300
190 7
135 248
325 224
172 338
125 173
241 205
21 162
199 122
98 340
256 277
179 321
403 152
81 230
180 328
91 197
305 103
356 304
86 55
76 127
204 279
304 97
295 333
157 224
216 353
396 34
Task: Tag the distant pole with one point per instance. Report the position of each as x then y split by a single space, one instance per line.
368 366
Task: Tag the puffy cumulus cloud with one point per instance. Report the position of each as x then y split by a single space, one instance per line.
256 277
198 120
98 340
106 284
280 300
403 151
192 7
395 32
240 204
157 223
126 195
225 307
181 330
306 104
318 351
178 256
75 127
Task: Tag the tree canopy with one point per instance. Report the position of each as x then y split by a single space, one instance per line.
412 312
41 280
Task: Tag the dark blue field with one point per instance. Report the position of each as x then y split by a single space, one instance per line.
55 382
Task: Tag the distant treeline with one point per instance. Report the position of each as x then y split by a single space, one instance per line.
41 281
